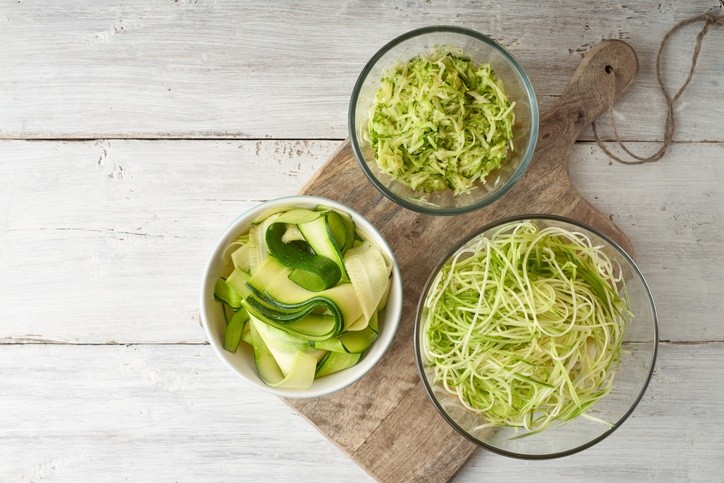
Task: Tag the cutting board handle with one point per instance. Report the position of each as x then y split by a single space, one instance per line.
602 77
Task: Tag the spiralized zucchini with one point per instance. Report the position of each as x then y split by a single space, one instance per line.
440 122
525 326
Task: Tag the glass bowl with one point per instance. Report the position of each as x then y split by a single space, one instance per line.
631 376
242 361
481 49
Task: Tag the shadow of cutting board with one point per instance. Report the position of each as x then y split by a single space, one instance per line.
385 421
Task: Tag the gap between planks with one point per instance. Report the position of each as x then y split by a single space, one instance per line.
136 137
40 341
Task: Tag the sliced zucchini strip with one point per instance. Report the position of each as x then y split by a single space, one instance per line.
369 275
234 330
312 272
320 234
279 363
335 362
225 293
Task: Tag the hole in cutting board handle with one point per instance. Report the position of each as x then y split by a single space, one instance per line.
608 69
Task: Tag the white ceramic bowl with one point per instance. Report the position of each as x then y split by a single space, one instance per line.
242 362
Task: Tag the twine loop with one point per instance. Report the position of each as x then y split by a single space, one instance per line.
670 125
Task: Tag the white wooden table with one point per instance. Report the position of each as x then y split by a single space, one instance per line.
132 132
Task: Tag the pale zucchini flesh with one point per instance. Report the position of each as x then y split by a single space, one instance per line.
301 370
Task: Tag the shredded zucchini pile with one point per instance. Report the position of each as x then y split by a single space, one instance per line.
525 326
440 122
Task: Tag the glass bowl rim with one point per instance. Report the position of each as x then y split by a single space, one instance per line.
527 155
428 385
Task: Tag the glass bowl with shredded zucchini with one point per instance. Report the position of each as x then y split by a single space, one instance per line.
443 120
537 337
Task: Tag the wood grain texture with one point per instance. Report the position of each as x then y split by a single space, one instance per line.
115 235
175 413
159 68
401 438
99 247
149 413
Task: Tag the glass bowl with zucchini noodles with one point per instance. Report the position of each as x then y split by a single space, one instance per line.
537 337
443 120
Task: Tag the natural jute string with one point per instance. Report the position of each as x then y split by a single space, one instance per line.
670 127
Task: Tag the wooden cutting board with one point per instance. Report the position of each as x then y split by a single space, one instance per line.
385 421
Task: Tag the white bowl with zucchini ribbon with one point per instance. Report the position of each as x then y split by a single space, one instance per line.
301 296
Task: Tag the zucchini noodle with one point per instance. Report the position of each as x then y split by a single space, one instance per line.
525 326
440 122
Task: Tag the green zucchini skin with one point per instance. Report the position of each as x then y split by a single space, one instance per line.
304 324
311 271
349 342
335 362
234 329
320 234
223 292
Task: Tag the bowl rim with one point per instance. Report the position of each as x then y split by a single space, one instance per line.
428 386
527 154
395 307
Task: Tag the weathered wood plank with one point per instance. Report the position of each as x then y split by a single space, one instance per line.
232 69
149 413
673 212
114 236
174 413
117 247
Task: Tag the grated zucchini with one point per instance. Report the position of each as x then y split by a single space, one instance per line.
440 122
